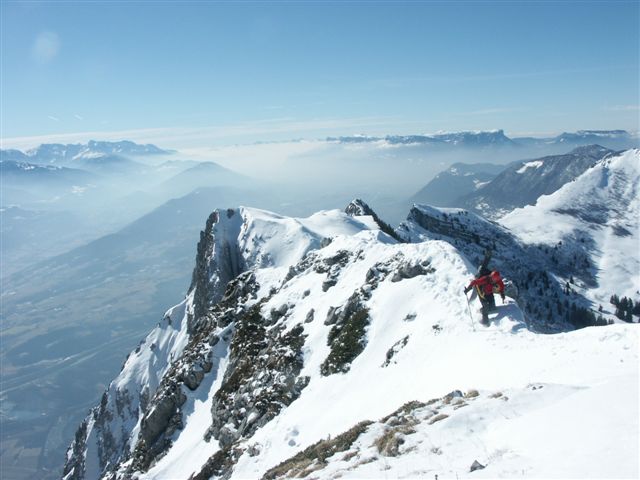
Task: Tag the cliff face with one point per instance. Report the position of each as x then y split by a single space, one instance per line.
142 408
111 429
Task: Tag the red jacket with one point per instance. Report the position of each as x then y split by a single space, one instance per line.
489 284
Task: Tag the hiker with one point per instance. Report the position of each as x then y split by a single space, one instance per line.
486 285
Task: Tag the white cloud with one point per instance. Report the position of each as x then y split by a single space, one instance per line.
79 117
623 108
188 137
51 117
46 47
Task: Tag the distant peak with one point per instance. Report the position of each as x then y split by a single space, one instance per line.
358 208
602 132
590 149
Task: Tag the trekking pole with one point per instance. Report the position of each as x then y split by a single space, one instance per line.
469 308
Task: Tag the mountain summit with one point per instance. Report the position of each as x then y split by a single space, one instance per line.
64 154
325 347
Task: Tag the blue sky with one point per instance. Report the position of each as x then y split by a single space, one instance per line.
223 72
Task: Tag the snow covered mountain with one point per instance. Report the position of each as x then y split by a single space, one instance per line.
324 345
458 180
13 155
524 181
29 175
108 164
450 139
60 154
613 139
474 139
599 212
11 167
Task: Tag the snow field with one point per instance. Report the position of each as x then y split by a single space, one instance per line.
534 164
504 356
605 207
267 239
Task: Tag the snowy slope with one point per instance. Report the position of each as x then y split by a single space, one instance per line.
538 280
522 182
533 431
118 416
598 212
317 324
239 240
433 362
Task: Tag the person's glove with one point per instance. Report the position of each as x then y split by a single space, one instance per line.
466 290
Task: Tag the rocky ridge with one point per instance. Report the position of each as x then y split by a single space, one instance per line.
282 311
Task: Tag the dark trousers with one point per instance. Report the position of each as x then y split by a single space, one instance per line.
488 305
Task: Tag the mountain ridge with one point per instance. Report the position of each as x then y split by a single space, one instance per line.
522 182
243 363
614 139
447 186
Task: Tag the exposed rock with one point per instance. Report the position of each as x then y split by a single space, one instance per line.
437 418
411 270
347 337
74 468
476 465
278 313
451 395
201 271
220 465
333 266
358 208
332 316
301 465
399 345
262 377
310 316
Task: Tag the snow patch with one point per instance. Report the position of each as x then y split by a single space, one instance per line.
526 166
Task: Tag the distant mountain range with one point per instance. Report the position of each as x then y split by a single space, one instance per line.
52 172
61 154
446 187
582 137
615 139
17 173
496 137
